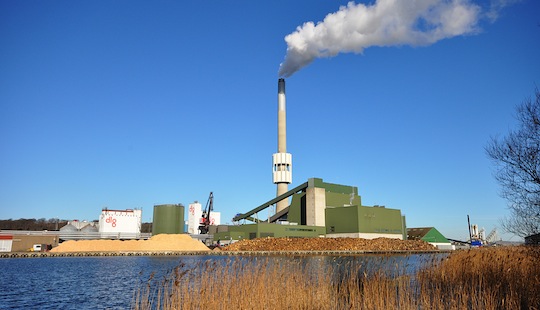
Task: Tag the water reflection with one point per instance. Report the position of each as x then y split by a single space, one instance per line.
111 282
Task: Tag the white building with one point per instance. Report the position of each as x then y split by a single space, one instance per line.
195 216
6 241
126 222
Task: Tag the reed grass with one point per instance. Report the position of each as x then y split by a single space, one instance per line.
486 278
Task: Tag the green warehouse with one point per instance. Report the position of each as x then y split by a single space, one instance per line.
318 209
430 235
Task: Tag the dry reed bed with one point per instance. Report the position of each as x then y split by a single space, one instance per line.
487 278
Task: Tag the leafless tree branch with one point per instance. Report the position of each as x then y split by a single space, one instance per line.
517 169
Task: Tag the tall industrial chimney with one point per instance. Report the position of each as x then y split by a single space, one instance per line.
282 169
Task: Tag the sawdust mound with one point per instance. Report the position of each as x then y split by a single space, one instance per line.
329 244
157 243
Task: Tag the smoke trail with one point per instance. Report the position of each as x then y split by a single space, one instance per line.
495 6
385 23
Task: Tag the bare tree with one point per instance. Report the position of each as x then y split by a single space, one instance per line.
32 224
517 161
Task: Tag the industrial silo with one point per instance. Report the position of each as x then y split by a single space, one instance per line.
168 219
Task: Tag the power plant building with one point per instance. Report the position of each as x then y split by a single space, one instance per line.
312 209
319 209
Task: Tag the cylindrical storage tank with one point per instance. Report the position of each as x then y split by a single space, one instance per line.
168 219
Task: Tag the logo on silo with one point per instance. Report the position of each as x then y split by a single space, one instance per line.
111 220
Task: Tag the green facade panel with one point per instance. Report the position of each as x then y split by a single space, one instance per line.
342 220
331 187
341 199
361 219
297 209
337 195
380 220
262 230
404 225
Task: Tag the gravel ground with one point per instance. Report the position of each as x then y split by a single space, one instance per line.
329 244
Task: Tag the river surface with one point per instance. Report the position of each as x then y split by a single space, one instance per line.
111 282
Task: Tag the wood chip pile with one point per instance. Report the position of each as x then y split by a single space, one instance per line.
158 243
329 244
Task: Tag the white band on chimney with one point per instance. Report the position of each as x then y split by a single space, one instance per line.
281 102
282 171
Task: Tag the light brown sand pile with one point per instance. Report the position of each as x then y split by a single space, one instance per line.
158 243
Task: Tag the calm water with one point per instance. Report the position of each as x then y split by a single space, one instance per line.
110 282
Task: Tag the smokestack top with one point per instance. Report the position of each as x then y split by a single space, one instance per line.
281 86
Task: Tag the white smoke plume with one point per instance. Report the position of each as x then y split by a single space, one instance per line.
385 23
496 6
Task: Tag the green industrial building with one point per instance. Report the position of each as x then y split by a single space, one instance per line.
264 229
430 235
318 209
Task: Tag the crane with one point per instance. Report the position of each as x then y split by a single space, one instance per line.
204 223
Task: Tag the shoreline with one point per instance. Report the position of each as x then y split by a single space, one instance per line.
215 253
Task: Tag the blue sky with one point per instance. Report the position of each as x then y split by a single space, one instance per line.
128 104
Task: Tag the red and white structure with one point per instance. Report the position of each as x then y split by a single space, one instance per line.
6 241
195 213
